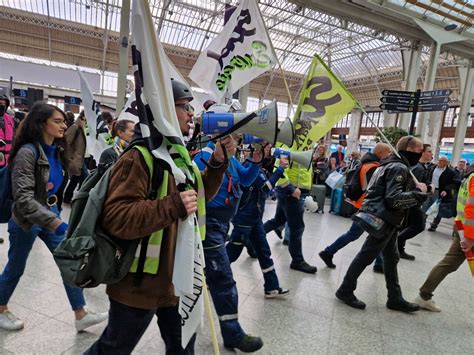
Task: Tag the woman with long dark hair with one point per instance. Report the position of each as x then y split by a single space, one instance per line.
36 163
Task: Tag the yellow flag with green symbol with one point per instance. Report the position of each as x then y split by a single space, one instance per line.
324 100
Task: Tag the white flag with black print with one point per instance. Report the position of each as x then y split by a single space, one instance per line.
162 135
98 136
239 54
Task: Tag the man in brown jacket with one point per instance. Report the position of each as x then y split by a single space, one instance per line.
129 214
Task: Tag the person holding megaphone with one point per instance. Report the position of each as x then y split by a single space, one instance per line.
291 191
248 225
219 211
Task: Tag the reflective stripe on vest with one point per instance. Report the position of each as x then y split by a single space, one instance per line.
154 243
466 199
7 136
363 181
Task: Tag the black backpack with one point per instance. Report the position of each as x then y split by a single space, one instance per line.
353 186
88 256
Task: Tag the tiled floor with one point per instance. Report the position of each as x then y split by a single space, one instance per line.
309 321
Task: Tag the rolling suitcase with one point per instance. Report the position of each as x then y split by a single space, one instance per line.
319 194
337 198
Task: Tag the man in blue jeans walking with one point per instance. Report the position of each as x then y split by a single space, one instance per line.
370 162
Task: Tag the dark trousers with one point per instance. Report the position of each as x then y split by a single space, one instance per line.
75 181
369 251
416 221
289 210
256 237
127 325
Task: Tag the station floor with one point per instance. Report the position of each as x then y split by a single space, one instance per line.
309 321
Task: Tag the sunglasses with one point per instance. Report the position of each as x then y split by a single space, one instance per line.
185 107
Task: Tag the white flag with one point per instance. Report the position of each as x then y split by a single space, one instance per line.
162 135
98 136
130 110
239 54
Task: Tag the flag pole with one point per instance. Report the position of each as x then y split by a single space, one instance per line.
278 61
385 138
207 304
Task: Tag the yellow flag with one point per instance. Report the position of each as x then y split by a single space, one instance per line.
324 100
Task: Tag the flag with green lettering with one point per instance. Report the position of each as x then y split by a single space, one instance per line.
324 100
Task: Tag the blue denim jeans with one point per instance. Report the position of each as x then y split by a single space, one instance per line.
127 325
221 280
255 235
21 243
289 210
354 233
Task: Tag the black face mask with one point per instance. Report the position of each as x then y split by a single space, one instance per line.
3 109
412 157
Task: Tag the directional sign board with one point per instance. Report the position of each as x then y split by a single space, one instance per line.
433 101
430 108
394 93
436 93
397 108
397 100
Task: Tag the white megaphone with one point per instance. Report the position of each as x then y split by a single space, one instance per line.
264 124
304 158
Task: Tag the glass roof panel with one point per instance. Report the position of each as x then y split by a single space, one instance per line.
297 33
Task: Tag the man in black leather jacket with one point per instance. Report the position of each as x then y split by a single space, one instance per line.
391 192
416 218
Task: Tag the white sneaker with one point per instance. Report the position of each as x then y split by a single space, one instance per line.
279 293
427 304
90 319
9 321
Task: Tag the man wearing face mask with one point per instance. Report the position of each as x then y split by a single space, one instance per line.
391 192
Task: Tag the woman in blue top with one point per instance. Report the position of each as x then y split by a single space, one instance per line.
37 177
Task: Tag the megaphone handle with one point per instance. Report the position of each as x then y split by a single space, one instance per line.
261 160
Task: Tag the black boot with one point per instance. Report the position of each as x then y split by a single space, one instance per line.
303 266
327 258
248 344
406 256
350 300
399 304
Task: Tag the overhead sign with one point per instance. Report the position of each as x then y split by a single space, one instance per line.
436 93
397 108
395 93
397 100
72 100
409 101
394 108
430 108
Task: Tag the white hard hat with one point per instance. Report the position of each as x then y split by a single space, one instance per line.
310 205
